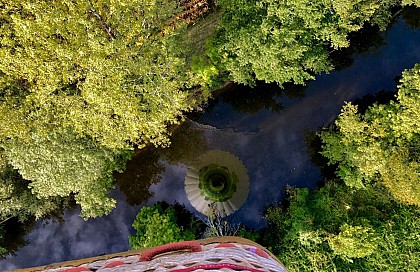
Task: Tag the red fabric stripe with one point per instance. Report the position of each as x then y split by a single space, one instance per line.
217 266
259 252
114 264
148 255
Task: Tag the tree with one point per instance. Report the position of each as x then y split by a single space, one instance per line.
383 145
336 228
282 41
81 82
157 226
17 201
64 165
102 69
354 241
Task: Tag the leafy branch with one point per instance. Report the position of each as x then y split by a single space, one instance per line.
104 26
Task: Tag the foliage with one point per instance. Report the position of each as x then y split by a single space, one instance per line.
19 208
217 225
353 241
80 83
157 226
16 200
2 249
13 233
383 145
411 2
342 227
204 74
102 69
64 165
336 228
249 234
282 41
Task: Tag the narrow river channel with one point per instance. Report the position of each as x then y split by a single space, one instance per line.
267 133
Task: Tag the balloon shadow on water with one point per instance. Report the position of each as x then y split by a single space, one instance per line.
147 165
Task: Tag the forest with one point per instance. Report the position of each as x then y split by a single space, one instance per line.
84 85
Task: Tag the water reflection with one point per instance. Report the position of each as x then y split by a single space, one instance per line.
141 172
217 182
13 234
145 169
411 15
363 41
245 99
271 144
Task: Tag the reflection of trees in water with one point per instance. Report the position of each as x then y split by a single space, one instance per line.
362 41
370 37
13 234
381 97
146 166
313 140
411 16
187 143
314 147
141 172
264 96
185 219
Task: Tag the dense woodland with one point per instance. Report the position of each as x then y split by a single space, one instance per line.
84 83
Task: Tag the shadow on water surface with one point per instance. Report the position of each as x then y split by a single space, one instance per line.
145 168
411 16
314 142
245 99
14 233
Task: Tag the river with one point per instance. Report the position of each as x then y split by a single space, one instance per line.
264 128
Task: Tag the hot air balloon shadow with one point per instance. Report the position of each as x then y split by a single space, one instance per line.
217 182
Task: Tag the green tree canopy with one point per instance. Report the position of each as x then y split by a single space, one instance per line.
383 145
336 228
282 41
64 165
157 226
16 199
80 83
103 69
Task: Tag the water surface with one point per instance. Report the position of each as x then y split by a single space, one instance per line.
268 137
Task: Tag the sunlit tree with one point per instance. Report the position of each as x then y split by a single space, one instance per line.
282 41
156 226
64 165
80 83
383 145
103 69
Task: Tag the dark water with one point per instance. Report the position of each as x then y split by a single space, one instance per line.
266 130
